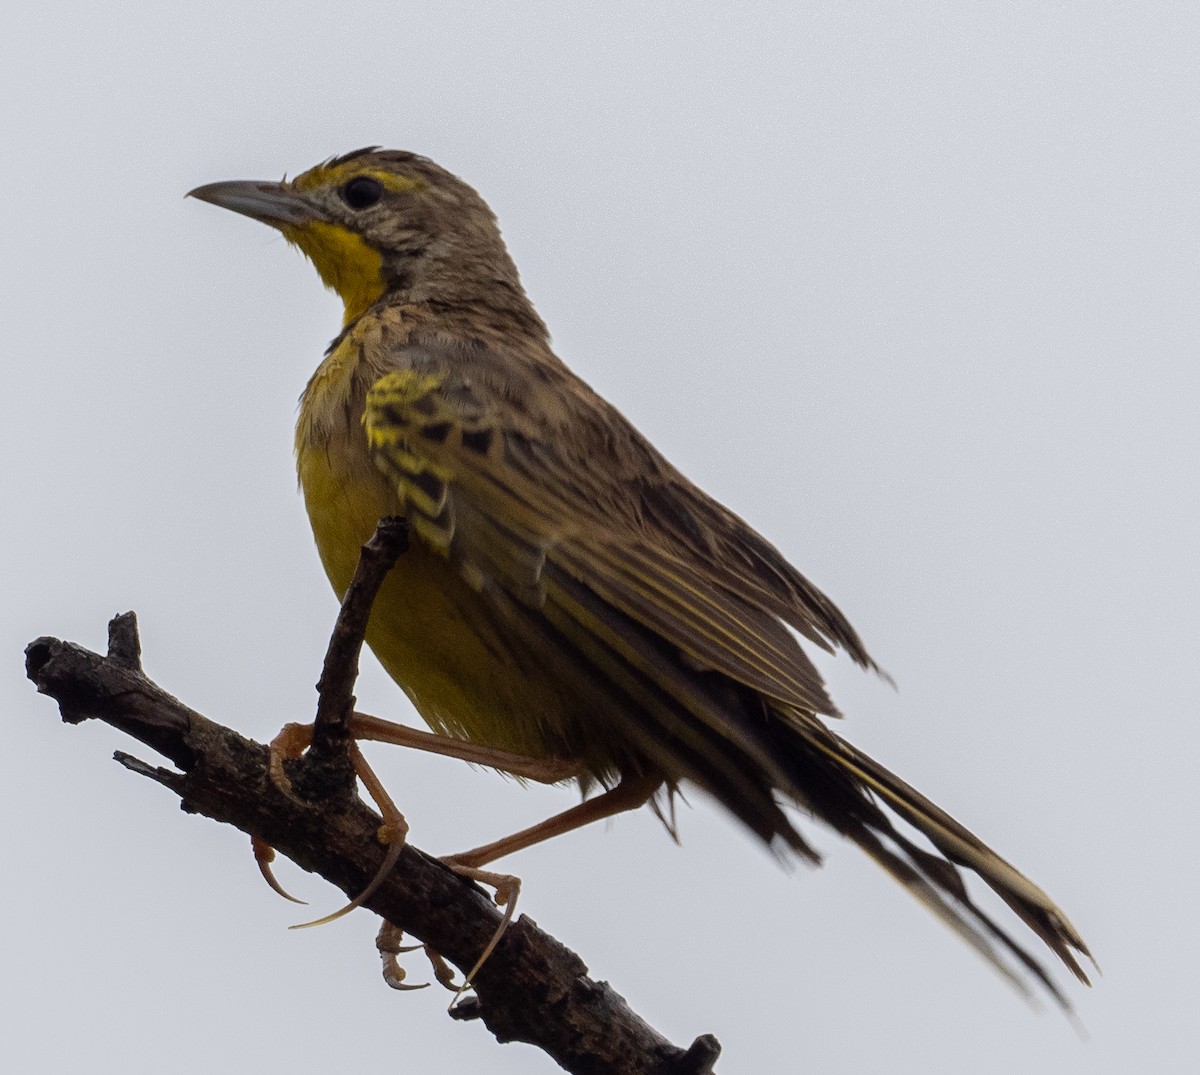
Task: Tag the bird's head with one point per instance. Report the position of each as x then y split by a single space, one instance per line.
380 222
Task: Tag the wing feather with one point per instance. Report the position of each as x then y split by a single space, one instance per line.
673 610
522 502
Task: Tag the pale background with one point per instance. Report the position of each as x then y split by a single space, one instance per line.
914 290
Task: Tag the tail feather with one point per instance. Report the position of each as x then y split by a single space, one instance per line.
855 810
963 847
980 934
947 877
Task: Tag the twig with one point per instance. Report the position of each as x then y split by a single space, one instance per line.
335 688
533 989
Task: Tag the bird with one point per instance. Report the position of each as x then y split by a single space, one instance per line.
570 606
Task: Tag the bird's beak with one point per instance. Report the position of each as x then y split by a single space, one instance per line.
277 204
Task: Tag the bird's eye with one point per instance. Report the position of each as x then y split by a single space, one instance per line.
362 192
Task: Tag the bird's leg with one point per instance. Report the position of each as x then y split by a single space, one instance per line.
541 770
629 794
392 834
291 742
294 739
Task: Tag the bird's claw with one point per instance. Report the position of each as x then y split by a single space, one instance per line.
387 941
507 888
264 855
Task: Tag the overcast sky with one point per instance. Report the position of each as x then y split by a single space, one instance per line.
914 292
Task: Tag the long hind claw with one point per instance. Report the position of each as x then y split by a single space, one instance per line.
292 741
395 845
264 855
392 834
507 888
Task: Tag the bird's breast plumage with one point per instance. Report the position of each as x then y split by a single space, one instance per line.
430 628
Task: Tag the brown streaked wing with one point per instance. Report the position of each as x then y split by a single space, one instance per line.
551 502
567 438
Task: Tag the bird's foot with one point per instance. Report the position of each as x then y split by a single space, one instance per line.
289 745
291 742
507 888
264 855
388 943
392 834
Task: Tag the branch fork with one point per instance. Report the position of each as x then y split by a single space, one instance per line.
531 989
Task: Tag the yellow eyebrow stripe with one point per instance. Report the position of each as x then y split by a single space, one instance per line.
337 174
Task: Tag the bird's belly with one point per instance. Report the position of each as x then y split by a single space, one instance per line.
431 632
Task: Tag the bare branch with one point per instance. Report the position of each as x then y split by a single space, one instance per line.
532 989
335 689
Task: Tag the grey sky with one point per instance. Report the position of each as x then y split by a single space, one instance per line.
914 292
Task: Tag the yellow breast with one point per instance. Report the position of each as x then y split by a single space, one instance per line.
429 629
